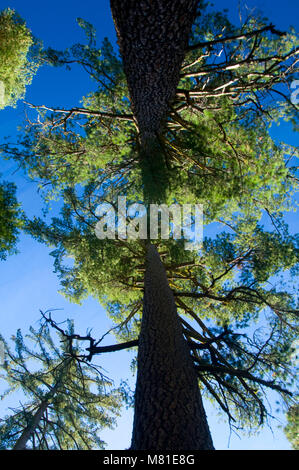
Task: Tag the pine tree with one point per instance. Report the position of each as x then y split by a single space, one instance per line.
153 39
68 400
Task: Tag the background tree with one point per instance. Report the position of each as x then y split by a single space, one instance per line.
17 63
68 400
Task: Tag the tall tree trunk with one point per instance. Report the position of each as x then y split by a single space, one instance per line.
169 413
152 36
29 430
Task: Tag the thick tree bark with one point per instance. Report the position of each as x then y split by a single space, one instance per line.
152 36
169 413
29 430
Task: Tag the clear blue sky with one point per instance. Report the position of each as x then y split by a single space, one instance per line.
27 281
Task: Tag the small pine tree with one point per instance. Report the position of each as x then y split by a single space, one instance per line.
68 400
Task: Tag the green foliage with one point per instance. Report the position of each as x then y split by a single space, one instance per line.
216 148
16 66
81 400
226 284
291 430
11 219
79 148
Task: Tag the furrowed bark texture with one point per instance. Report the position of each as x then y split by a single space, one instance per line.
152 36
169 413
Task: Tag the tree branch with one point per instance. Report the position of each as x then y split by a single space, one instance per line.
83 111
236 37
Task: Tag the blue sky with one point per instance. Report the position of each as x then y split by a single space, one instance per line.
27 281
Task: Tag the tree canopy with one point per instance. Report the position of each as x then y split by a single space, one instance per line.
17 65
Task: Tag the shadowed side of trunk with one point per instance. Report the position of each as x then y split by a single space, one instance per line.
169 413
152 36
